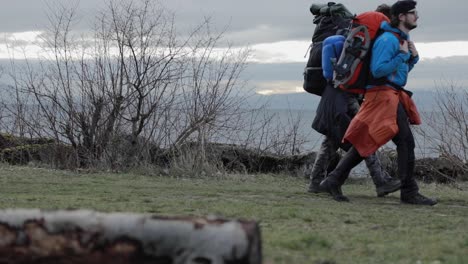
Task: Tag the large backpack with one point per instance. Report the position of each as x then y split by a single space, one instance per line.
352 70
330 19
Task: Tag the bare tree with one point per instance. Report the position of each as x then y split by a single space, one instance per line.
447 126
133 78
134 88
89 91
210 91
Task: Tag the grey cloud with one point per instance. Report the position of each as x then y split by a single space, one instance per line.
31 15
291 20
262 34
281 20
21 15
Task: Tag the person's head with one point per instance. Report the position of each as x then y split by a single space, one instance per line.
384 9
404 14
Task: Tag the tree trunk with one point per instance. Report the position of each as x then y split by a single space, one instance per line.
34 236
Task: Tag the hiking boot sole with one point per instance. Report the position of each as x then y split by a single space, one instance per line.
428 203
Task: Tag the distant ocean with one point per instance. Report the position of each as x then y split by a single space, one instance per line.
314 139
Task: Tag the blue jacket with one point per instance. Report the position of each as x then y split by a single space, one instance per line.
387 59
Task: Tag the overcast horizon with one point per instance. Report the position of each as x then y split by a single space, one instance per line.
278 32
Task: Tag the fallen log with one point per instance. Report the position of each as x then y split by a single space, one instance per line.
82 236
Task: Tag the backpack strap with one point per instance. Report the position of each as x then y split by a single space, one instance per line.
398 36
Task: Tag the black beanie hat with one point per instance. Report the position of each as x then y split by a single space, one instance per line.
402 7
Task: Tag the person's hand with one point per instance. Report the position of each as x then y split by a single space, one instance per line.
404 47
412 48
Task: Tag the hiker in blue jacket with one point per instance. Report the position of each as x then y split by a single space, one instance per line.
388 109
333 115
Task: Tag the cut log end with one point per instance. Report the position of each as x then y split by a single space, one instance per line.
34 236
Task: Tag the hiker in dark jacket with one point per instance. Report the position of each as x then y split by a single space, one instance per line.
387 110
333 115
384 9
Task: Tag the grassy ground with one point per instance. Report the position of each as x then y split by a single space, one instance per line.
297 227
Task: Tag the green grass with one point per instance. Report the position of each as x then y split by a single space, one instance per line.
297 227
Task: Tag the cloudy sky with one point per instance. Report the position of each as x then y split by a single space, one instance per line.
279 33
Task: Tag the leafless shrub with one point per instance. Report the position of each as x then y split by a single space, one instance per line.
446 131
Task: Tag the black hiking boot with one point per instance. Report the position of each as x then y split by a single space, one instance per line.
388 186
418 199
314 187
334 189
335 179
384 183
